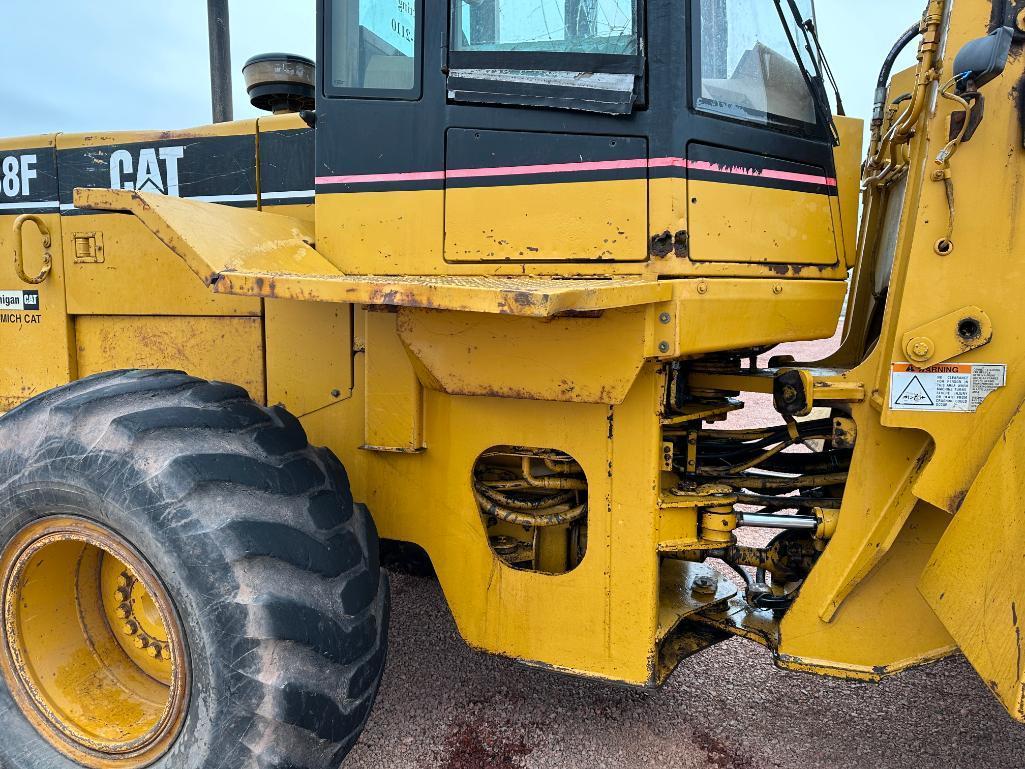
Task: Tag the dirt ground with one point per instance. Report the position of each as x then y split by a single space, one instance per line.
443 706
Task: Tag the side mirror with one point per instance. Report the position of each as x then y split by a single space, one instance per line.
984 59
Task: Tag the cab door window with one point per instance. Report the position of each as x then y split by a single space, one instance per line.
373 47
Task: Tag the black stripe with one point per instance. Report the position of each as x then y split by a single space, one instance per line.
568 177
764 182
667 172
53 209
286 161
198 166
547 61
28 175
305 200
386 186
559 177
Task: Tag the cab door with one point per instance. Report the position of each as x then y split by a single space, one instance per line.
762 183
36 343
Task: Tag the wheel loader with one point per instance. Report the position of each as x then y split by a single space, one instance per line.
517 266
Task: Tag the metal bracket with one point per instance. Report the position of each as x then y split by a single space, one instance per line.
944 338
1008 13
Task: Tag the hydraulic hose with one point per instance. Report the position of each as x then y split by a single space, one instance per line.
879 108
891 58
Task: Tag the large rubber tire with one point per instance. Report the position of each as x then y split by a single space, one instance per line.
273 571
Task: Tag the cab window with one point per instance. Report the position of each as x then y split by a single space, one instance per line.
554 54
552 26
374 47
747 66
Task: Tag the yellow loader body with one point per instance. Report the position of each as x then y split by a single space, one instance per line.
435 339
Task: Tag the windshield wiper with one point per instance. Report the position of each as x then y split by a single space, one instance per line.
814 81
811 35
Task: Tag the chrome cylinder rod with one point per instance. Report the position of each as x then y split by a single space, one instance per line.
762 521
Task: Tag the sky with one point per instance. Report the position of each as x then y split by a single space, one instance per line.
142 64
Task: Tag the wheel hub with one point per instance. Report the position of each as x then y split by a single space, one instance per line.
90 644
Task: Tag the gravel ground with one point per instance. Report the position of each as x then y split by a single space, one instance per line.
443 706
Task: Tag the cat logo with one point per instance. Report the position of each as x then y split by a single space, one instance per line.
155 170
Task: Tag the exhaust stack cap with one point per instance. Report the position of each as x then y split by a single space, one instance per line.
280 82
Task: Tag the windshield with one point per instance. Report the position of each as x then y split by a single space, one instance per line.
748 68
549 26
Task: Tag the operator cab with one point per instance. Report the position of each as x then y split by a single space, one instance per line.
510 136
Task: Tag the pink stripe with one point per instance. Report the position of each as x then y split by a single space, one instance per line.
554 168
667 163
784 176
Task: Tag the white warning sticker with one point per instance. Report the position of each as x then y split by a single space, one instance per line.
946 387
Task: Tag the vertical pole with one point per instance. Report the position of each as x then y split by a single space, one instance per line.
220 60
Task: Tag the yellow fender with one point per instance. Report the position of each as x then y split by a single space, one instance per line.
975 580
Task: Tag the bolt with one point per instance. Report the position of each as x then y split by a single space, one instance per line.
124 611
789 394
665 317
122 595
155 651
129 628
702 287
663 347
141 642
706 584
165 652
777 289
123 580
920 349
336 393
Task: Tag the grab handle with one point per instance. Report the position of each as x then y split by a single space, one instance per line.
19 251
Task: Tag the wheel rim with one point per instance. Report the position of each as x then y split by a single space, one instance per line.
92 649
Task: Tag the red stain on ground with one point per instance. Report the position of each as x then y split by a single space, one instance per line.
471 745
720 755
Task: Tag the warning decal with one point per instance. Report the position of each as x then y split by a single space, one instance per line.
959 387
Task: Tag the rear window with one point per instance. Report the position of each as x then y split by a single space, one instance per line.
604 27
557 54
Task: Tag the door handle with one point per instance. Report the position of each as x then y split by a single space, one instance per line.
19 250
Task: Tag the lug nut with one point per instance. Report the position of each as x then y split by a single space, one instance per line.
141 642
124 611
165 653
155 651
129 628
